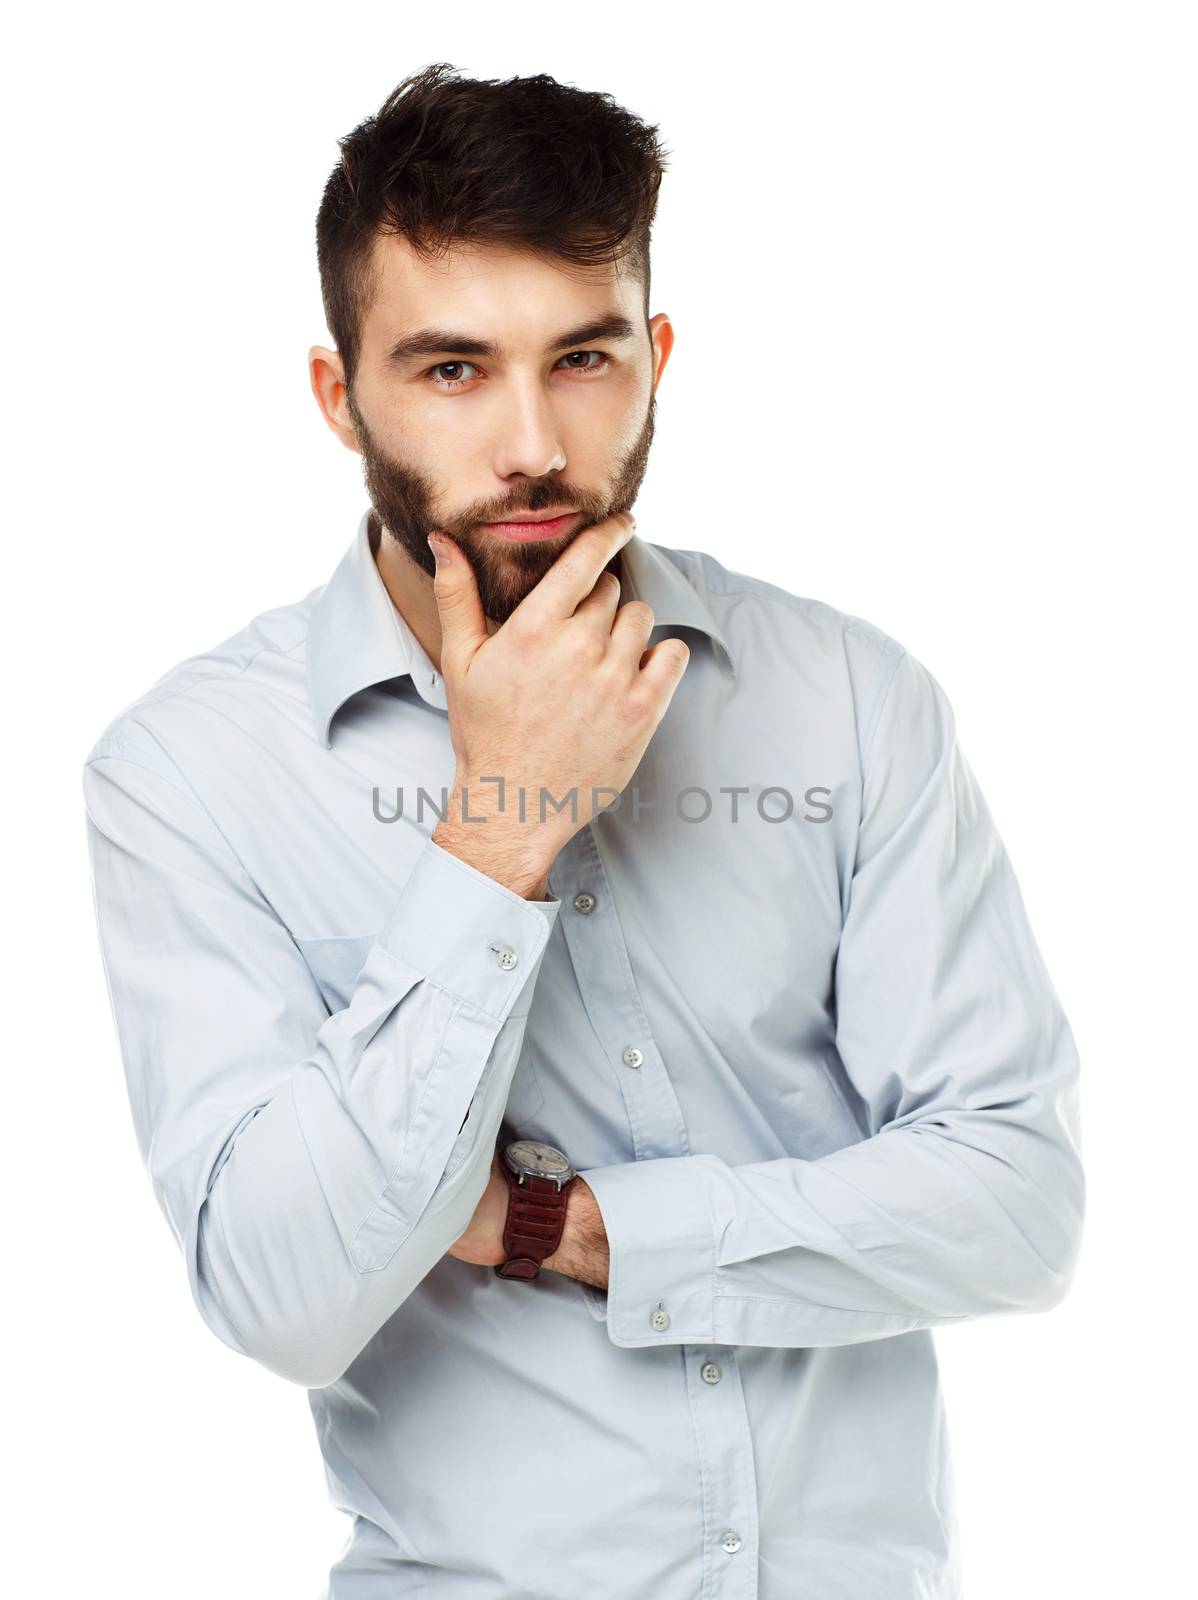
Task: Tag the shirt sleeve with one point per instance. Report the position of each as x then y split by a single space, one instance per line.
312 1167
965 1195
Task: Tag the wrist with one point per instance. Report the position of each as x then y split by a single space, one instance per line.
583 1251
490 851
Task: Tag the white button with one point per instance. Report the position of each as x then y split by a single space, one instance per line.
660 1320
505 955
731 1542
632 1056
711 1372
584 902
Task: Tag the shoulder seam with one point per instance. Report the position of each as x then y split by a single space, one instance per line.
189 791
212 677
98 754
751 584
898 652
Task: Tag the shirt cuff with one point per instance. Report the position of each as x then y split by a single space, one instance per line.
469 934
662 1255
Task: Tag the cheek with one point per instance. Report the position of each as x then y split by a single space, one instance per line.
629 389
601 428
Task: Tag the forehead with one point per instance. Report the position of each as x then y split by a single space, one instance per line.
498 291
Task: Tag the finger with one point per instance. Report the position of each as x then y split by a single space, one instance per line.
634 623
599 607
664 663
463 624
575 572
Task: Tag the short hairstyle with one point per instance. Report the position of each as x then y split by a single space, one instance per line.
562 172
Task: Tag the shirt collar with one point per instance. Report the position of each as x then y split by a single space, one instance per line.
357 636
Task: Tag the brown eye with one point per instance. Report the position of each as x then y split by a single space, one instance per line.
449 383
598 367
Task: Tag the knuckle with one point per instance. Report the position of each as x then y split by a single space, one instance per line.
532 635
640 612
585 646
571 565
637 707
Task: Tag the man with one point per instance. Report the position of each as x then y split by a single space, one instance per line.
449 879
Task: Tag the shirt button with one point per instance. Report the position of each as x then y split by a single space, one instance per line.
584 902
632 1056
660 1320
711 1372
505 955
731 1542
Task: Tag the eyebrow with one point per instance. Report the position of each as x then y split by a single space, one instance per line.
443 342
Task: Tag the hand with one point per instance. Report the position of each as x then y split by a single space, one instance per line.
482 1242
582 1252
564 696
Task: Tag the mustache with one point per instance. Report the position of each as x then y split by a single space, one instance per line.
534 504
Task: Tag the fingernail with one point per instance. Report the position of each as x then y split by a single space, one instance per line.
437 545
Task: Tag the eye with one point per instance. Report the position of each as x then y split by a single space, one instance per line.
457 367
604 359
453 383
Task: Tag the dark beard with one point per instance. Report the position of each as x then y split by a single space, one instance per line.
403 498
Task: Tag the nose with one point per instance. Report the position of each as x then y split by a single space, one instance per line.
530 444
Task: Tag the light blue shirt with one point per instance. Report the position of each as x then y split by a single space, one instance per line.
784 1012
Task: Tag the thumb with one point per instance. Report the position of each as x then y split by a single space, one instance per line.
463 626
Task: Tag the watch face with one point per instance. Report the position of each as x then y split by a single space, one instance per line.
533 1155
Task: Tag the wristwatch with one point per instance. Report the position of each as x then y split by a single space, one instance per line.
539 1178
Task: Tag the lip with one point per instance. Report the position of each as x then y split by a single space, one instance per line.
534 525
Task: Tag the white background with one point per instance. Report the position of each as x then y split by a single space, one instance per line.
932 275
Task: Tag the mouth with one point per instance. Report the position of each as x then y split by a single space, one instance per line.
534 525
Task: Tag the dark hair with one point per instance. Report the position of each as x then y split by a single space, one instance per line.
559 171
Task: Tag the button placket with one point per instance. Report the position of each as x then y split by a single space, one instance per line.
725 1475
603 971
729 1484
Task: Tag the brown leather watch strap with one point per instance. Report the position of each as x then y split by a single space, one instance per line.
536 1218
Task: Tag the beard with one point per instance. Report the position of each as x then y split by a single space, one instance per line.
404 502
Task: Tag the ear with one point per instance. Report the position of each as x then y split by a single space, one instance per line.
327 377
661 331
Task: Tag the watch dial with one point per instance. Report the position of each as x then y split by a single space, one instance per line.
538 1157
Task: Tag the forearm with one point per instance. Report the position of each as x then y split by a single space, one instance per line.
302 1250
962 1217
583 1251
313 1166
517 855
